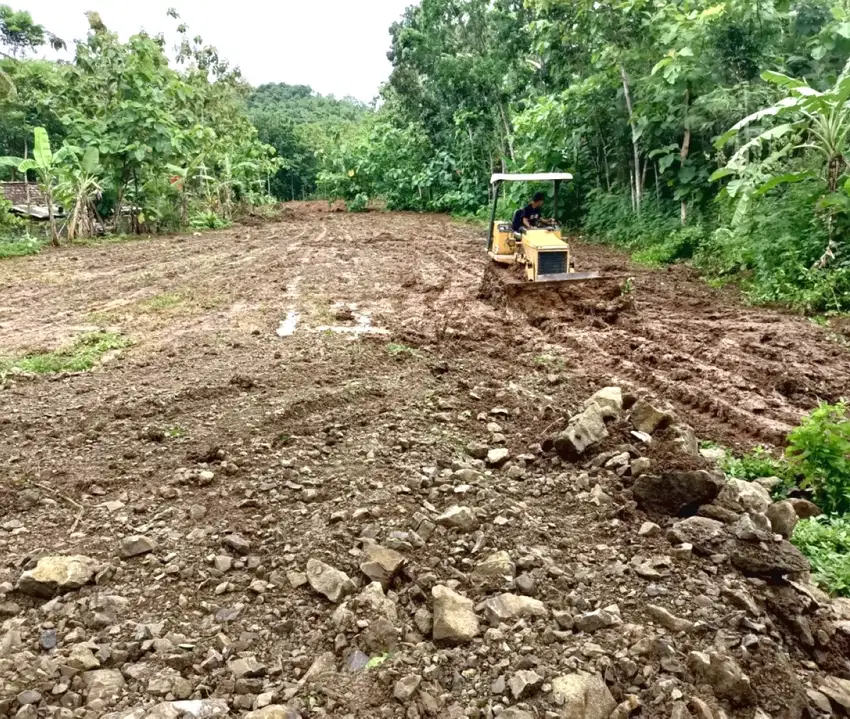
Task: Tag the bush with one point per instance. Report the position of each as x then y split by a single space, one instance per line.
826 542
819 452
754 465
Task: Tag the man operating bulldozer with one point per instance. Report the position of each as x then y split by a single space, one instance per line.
529 216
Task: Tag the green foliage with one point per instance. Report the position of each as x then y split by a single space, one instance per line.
19 246
819 452
826 543
83 354
208 220
755 464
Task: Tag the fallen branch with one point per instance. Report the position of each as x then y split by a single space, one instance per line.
57 494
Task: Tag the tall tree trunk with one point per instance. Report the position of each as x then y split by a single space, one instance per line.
26 176
683 154
507 132
635 147
54 235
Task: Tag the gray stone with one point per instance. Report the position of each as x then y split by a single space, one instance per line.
477 450
805 509
103 685
454 619
752 528
838 690
609 400
677 493
584 430
641 466
680 711
274 711
246 667
514 713
582 696
508 607
406 687
497 457
57 575
649 529
627 707
524 683
728 680
82 658
457 517
238 544
662 616
705 535
328 581
773 560
136 546
647 418
599 619
783 518
381 564
497 567
748 496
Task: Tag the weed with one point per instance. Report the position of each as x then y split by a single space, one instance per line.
20 246
161 303
826 542
175 432
819 451
400 351
83 354
755 464
208 221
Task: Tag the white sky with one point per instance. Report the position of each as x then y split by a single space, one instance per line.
336 46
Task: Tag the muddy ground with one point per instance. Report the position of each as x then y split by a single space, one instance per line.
329 371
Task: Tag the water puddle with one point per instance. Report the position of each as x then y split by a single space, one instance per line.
287 327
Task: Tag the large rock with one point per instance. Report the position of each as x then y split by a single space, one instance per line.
462 518
728 680
838 690
381 564
647 418
582 696
677 493
274 711
584 430
805 509
136 546
739 494
771 560
55 575
666 619
454 617
706 535
509 607
599 619
189 709
327 580
609 401
497 568
103 685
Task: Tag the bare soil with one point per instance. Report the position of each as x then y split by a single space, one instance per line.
395 364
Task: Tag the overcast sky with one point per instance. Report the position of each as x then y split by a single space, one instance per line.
335 46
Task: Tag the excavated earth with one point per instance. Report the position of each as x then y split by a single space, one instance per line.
329 393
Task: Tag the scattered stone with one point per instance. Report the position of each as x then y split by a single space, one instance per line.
626 708
509 607
456 517
752 528
477 450
381 564
680 711
514 713
82 658
647 418
838 690
274 711
524 683
783 518
104 685
609 400
599 619
136 546
238 544
705 535
598 496
584 430
805 509
58 575
497 457
641 466
582 696
773 560
328 581
649 529
743 495
454 618
728 680
497 566
667 620
820 700
677 493
406 687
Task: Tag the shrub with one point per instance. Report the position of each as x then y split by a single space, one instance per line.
819 452
826 542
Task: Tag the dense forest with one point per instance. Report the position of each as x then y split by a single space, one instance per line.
714 132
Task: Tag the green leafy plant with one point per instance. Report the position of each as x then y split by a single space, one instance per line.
83 354
819 452
208 220
826 543
755 464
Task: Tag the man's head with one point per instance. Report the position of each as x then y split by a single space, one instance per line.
538 200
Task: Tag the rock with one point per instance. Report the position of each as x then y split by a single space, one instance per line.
508 607
378 604
406 687
838 690
649 529
136 545
456 517
680 711
274 711
598 496
103 685
805 509
720 514
497 457
497 567
677 493
328 581
686 441
57 575
769 483
667 620
704 534
748 496
713 454
82 658
514 713
752 528
627 707
641 466
582 696
524 683
477 450
609 400
193 709
454 618
584 430
647 418
819 700
773 560
702 709
247 667
741 599
381 564
728 680
238 544
783 518
599 619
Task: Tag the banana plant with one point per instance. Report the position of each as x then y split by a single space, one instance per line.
79 187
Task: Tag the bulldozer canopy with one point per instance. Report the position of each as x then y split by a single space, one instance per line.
531 177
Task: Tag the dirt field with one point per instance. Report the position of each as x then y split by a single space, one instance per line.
328 371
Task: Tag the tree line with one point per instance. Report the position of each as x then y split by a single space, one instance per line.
696 129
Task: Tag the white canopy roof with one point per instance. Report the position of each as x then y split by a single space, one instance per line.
531 177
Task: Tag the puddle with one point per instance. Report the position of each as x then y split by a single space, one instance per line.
287 327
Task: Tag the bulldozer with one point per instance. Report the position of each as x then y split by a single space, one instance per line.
541 253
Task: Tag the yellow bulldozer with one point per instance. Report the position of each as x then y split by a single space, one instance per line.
536 255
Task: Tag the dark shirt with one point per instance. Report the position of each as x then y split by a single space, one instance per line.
530 213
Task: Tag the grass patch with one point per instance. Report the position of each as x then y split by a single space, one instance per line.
20 246
826 542
162 303
84 353
399 350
